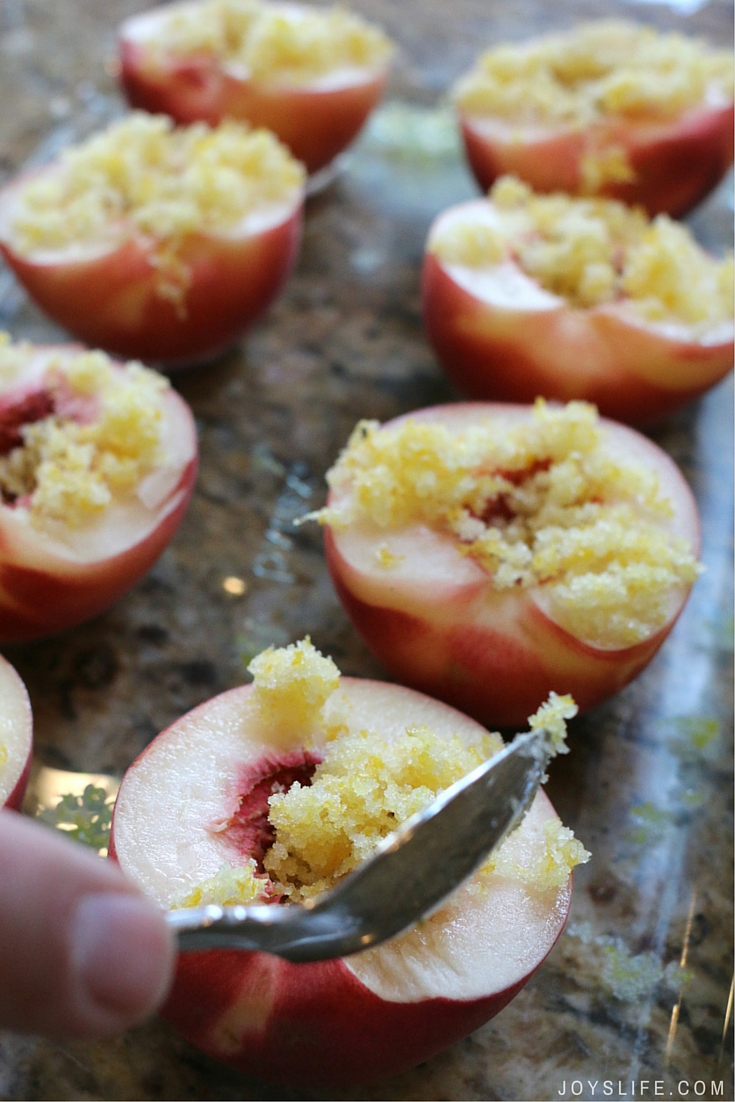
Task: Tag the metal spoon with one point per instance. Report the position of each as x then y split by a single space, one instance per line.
407 877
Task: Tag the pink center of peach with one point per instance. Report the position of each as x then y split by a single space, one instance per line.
248 828
22 409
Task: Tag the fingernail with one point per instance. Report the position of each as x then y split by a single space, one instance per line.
122 956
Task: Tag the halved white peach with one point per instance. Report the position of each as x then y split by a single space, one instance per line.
500 335
610 107
317 118
16 737
433 617
109 294
197 797
55 574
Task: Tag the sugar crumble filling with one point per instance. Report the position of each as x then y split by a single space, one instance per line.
146 177
541 504
599 69
595 251
85 435
597 73
284 43
364 787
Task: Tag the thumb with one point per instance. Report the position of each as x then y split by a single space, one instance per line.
82 952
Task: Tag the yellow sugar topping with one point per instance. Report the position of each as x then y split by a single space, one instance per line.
365 786
562 853
593 251
602 69
68 470
273 42
552 716
540 503
231 886
145 176
387 559
291 686
3 754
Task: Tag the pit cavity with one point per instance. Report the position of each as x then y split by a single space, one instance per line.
16 411
249 830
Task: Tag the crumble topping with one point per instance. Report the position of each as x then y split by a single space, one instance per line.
593 251
286 43
230 887
292 686
365 786
610 67
95 434
145 176
536 504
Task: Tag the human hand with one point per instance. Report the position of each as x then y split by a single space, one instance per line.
82 952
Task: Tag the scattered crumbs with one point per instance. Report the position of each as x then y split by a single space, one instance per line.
385 557
229 887
691 732
408 131
628 976
84 818
650 823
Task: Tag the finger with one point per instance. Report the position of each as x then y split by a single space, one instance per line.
82 952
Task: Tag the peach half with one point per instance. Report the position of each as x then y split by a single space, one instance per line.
97 465
272 792
309 75
610 108
487 553
16 737
527 295
157 244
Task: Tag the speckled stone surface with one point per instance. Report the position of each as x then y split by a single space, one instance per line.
637 989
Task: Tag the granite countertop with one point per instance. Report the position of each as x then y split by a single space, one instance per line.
638 988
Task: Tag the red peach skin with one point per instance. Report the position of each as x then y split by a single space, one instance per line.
676 163
632 371
111 300
16 797
41 593
315 123
310 1010
493 654
331 1023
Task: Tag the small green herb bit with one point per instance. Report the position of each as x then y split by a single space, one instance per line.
85 818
